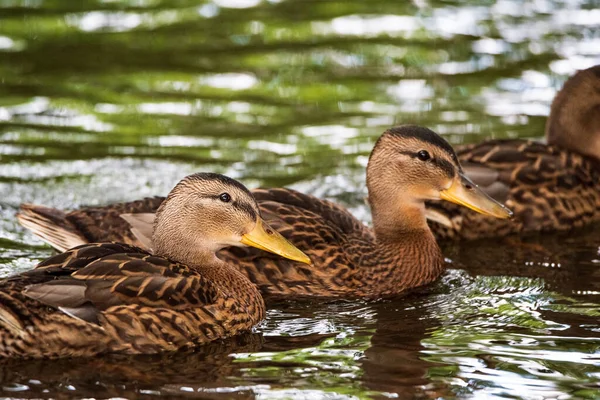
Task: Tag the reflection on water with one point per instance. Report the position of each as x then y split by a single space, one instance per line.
103 101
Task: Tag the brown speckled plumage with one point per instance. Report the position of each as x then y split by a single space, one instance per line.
113 297
350 259
549 187
124 299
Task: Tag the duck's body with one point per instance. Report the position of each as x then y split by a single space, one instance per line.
112 297
550 187
349 259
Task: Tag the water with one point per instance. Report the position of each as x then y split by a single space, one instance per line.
104 101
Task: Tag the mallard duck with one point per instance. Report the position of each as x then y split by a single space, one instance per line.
112 297
408 165
550 187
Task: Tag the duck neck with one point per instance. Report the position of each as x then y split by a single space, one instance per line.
186 249
405 253
395 220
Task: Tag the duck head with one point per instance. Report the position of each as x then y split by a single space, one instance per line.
411 164
574 121
206 212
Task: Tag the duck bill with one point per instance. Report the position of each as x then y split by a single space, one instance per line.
465 193
266 238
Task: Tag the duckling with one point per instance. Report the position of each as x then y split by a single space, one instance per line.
550 187
113 297
408 165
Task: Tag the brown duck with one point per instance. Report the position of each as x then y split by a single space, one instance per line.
407 166
112 297
550 187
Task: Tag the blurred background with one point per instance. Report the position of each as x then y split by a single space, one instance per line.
104 101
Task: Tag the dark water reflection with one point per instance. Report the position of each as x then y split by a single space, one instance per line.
104 101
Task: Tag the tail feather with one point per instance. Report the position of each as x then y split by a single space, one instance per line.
50 225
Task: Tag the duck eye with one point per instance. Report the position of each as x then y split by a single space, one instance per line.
423 155
225 197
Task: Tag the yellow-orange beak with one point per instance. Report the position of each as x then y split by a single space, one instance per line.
266 238
464 192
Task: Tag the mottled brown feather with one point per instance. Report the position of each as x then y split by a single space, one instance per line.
140 303
91 224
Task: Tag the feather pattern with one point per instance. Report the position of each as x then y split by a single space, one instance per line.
64 231
115 297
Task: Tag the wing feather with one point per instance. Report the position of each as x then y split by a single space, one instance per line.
95 277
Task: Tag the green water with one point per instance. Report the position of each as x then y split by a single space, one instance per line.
104 101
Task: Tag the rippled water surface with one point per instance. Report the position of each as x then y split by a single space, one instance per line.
104 101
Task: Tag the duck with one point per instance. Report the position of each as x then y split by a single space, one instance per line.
409 164
116 298
552 186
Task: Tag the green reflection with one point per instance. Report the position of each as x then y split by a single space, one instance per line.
333 366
